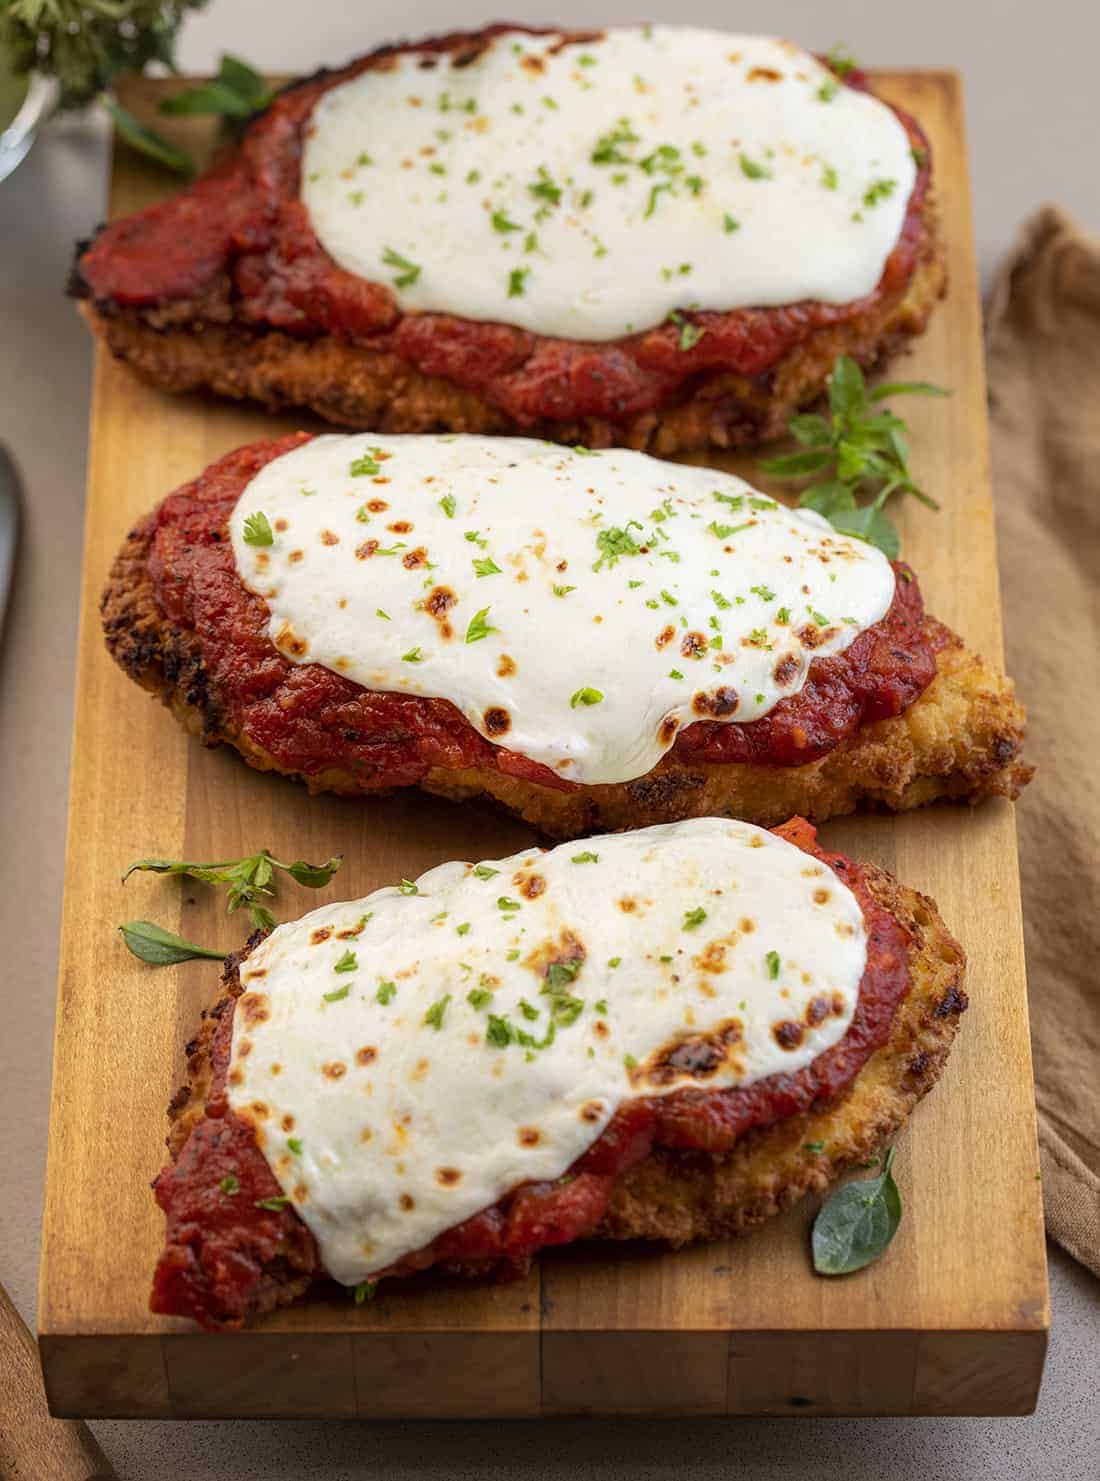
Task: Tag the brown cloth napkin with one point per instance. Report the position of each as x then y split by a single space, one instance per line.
1043 341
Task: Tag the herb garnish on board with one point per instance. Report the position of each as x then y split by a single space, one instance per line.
857 1223
249 881
860 448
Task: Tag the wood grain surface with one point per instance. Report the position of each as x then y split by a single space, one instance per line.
952 1321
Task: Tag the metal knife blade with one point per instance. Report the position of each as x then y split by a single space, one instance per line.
10 500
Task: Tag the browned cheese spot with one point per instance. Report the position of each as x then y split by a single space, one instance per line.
439 602
817 1010
377 506
288 641
506 666
301 1193
235 1076
665 636
281 526
694 645
601 1029
532 64
713 956
746 925
419 1070
530 886
529 1136
287 1123
666 731
497 721
366 1135
567 951
820 896
400 527
788 1034
260 1108
764 74
697 1056
295 556
414 558
329 537
407 1203
367 1055
448 1177
812 636
840 1007
719 705
628 905
322 933
334 1069
786 670
254 1008
262 560
366 550
276 1069
244 1048
591 1111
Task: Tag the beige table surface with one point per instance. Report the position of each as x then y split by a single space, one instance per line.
1030 73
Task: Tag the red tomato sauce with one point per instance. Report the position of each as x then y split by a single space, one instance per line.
241 240
311 719
226 1257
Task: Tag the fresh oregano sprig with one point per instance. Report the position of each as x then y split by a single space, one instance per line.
861 447
857 1223
249 880
249 883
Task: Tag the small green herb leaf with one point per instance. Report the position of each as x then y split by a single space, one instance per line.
147 141
585 696
230 1185
408 272
237 92
857 1223
479 626
257 530
433 1018
161 948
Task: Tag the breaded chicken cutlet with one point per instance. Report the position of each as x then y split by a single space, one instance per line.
709 1073
501 232
485 617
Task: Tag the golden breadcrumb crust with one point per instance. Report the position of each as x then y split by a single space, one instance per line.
959 740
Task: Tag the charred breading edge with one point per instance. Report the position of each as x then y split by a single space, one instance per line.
960 740
356 386
678 1197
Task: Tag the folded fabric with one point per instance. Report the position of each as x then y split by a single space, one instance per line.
1043 346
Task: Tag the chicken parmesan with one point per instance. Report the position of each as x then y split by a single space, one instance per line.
653 237
670 1034
595 639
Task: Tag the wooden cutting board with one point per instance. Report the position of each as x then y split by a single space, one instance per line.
952 1321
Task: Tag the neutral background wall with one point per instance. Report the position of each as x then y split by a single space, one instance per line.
1031 78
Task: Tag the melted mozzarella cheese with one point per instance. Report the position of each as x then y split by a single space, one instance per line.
576 607
409 1058
589 189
